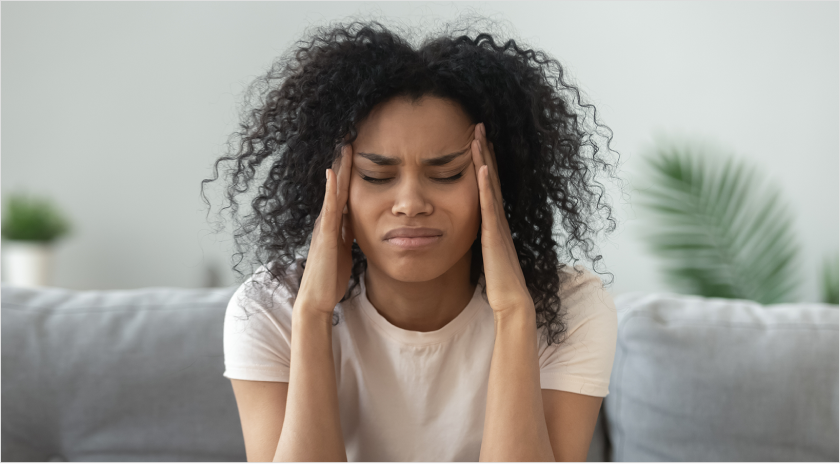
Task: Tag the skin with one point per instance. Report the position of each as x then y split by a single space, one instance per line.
424 290
420 290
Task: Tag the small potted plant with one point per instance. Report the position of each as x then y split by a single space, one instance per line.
30 228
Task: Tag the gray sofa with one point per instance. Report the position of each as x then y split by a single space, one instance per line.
136 375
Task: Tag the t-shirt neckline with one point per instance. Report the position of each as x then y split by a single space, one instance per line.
411 337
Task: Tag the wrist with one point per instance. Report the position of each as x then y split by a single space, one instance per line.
301 311
310 329
519 316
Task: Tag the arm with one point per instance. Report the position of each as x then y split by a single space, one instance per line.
523 422
309 401
515 422
312 429
571 419
299 420
262 406
514 419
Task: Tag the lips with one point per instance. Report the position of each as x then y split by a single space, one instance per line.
412 232
406 238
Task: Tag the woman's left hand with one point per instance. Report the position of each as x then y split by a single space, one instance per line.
507 292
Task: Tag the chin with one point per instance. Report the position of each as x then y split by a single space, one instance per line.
415 268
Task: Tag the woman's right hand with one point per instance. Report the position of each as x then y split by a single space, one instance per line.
329 261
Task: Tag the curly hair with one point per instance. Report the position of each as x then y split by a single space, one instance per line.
309 104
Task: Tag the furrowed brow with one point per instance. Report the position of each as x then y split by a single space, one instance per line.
380 160
443 160
388 161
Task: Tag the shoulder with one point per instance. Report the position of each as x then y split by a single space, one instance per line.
584 301
258 326
583 359
270 289
580 286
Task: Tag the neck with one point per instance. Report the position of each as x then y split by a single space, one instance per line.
421 306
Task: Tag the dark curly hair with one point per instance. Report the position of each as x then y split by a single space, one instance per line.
309 104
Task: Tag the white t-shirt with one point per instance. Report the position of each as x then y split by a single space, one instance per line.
417 396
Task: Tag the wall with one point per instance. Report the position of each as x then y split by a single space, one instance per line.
117 110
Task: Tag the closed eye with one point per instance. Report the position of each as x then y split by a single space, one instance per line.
374 180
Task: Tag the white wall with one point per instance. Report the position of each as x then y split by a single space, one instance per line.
117 110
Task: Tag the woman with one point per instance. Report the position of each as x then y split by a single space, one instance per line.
432 318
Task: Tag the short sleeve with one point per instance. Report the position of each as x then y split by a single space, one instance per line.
258 330
583 361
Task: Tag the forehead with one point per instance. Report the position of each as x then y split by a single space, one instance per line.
424 128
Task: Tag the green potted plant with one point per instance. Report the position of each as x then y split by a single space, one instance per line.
31 226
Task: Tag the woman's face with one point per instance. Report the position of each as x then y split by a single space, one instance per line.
412 168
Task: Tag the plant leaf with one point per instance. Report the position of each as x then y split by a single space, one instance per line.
718 234
32 219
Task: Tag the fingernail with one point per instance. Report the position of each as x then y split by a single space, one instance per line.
327 173
483 130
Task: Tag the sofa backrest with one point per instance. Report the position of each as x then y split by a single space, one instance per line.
136 375
709 379
129 375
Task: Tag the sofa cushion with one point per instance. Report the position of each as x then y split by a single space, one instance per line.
129 375
709 379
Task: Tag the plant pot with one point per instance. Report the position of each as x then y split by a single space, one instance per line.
27 264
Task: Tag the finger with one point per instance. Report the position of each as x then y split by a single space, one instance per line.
478 156
492 152
493 182
492 236
346 166
328 211
482 157
488 208
336 168
498 232
336 164
478 161
490 160
318 220
486 146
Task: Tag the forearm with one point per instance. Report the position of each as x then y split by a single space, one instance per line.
311 427
514 420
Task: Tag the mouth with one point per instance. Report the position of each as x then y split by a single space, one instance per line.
411 238
413 243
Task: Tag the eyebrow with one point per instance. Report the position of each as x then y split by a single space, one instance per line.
388 161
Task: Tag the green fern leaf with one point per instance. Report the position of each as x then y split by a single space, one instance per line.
718 233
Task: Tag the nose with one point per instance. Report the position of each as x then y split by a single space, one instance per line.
410 199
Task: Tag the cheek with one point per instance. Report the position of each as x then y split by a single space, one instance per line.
466 206
471 197
365 209
356 209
